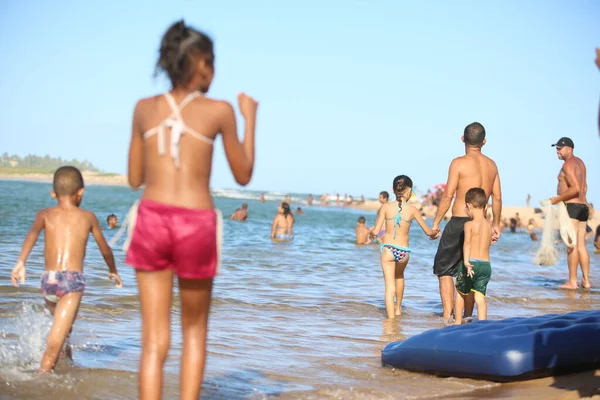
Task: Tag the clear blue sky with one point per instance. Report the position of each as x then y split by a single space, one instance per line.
351 92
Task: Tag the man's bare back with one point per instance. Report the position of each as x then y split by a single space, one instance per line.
239 215
474 170
573 173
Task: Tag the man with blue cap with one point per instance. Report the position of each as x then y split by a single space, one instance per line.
572 189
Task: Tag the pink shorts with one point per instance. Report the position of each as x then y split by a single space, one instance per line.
185 240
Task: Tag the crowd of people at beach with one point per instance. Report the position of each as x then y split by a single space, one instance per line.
177 231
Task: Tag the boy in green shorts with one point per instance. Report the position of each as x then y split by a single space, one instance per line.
475 271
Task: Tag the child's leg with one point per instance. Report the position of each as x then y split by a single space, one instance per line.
64 313
459 305
68 350
155 302
195 307
388 265
400 267
481 306
469 305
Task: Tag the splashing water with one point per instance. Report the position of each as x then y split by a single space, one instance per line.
29 331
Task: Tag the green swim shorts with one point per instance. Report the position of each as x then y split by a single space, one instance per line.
478 283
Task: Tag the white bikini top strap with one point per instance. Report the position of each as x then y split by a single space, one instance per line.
178 127
188 99
176 112
199 136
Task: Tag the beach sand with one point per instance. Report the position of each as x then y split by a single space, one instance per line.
564 387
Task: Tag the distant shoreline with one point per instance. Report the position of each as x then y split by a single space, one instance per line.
95 178
90 178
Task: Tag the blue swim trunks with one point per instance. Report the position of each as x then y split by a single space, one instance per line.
56 284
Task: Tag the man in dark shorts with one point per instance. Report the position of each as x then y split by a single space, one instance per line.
572 189
471 170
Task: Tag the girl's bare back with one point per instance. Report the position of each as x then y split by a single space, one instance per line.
390 211
186 185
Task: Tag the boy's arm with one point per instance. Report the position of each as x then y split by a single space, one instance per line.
467 244
18 272
105 250
32 236
239 155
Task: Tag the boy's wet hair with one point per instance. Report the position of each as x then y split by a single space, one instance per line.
361 220
181 46
474 134
110 216
385 195
67 181
476 197
400 184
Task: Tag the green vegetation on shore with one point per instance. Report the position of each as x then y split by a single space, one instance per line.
32 164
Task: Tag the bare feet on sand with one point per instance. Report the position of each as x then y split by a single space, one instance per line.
586 284
569 286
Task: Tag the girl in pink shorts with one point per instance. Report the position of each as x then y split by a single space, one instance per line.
174 229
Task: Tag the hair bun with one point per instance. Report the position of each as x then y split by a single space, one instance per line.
180 27
176 48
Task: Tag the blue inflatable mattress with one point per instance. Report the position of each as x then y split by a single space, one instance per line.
503 350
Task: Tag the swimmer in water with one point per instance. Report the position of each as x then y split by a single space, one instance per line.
282 229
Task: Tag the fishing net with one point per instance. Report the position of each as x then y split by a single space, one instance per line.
127 226
567 230
547 253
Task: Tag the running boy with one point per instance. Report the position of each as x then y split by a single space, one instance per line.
475 271
177 230
397 217
67 228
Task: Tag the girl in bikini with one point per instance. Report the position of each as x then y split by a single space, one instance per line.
282 229
395 251
175 230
